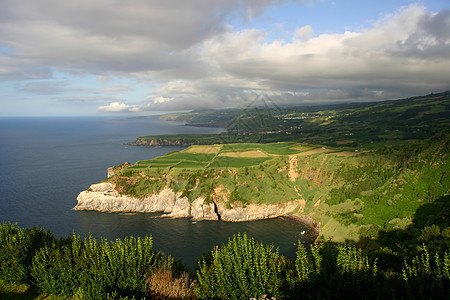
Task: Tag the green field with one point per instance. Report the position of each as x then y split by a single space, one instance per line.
227 156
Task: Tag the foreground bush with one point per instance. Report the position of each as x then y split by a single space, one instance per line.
239 269
91 269
333 271
427 275
17 248
242 269
164 285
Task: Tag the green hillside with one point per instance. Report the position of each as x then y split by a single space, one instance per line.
353 193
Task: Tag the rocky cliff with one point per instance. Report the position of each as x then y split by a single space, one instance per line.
104 197
144 141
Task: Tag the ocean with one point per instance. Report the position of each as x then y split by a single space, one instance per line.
45 162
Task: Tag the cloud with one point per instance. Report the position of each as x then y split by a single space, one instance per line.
54 88
46 88
402 52
108 36
304 32
161 99
187 55
88 98
430 40
117 89
118 107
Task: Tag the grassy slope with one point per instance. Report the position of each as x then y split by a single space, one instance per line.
352 194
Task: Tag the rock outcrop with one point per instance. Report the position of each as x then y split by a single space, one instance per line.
251 212
104 197
116 169
203 211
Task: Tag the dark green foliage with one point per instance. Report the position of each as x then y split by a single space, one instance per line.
359 179
242 269
17 248
92 269
332 271
85 269
427 276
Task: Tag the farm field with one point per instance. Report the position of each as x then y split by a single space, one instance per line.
232 155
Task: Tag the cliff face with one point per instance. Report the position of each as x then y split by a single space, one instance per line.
104 197
141 141
251 212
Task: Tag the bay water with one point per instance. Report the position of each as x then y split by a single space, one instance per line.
45 162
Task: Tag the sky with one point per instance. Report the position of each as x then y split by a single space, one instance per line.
144 57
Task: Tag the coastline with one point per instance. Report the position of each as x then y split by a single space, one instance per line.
104 197
307 221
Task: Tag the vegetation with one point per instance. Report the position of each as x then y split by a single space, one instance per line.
354 195
355 125
84 269
360 169
240 269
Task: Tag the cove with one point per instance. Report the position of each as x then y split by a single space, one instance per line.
46 162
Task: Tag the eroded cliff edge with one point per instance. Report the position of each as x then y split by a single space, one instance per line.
105 197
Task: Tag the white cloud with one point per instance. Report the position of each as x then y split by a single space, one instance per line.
304 32
372 59
161 99
118 107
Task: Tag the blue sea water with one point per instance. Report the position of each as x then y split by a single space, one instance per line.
46 162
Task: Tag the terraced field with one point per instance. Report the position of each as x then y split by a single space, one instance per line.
231 155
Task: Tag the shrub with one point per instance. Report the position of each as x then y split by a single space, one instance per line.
92 270
332 271
17 248
242 269
427 275
163 285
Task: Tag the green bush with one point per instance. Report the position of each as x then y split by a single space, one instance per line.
91 269
17 248
242 269
427 275
332 271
